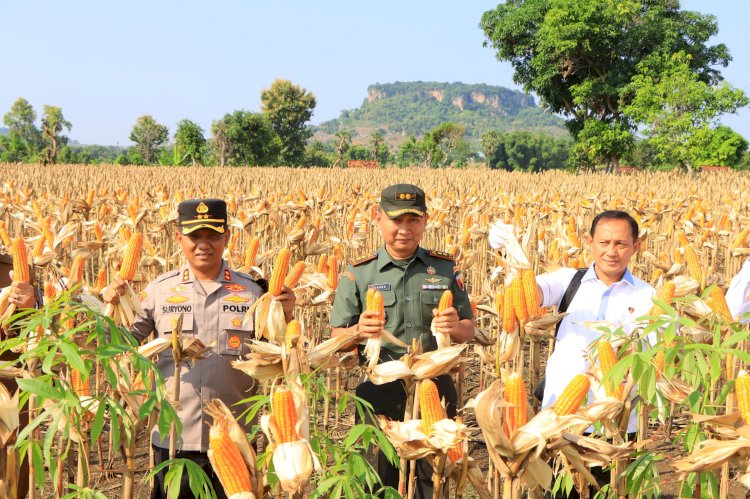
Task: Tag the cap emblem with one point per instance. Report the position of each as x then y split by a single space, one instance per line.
201 208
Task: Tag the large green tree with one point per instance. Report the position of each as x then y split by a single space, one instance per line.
24 138
679 111
189 142
579 55
289 108
148 136
248 139
53 124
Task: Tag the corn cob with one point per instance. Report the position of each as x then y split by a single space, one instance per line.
295 274
338 252
285 415
230 466
80 387
4 237
693 265
374 303
519 301
280 269
76 270
509 314
658 363
571 398
607 360
132 257
742 389
739 240
473 305
681 239
332 273
718 303
446 301
665 294
528 281
293 330
456 452
39 246
322 266
516 414
20 260
429 405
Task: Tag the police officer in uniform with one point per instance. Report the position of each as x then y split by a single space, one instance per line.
213 300
411 280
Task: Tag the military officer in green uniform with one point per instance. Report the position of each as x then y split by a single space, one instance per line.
411 280
213 299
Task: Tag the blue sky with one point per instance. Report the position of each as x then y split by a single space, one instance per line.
106 62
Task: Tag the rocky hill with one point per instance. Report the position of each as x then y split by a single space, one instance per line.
403 108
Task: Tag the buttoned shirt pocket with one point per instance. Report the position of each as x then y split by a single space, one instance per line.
166 323
391 314
429 299
233 335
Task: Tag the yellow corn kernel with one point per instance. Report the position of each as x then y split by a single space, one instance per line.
251 252
429 405
279 271
681 239
132 257
285 415
332 273
374 303
322 266
39 246
718 303
20 261
4 237
295 274
665 294
739 240
531 298
231 467
509 314
571 398
516 413
742 390
80 387
446 301
658 363
519 301
693 264
293 330
607 360
76 270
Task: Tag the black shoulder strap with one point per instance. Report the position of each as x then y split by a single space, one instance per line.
570 293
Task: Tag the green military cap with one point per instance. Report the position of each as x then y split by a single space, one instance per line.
403 198
194 214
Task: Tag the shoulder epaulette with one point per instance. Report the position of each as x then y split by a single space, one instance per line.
243 274
366 259
167 275
441 254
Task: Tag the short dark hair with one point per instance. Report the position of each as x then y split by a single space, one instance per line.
616 215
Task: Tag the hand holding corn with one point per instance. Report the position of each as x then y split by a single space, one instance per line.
446 322
288 300
111 294
370 325
22 294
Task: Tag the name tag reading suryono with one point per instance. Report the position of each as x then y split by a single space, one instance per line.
380 287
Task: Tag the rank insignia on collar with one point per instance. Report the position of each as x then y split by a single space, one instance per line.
236 299
176 299
433 280
237 321
235 288
227 275
178 289
186 275
234 342
431 270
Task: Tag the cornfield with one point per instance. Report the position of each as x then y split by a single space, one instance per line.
87 403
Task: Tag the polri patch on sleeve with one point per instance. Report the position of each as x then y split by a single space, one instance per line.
380 287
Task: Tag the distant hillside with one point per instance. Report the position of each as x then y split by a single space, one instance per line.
3 130
404 108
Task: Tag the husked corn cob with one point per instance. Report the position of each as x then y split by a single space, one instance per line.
607 360
742 390
739 240
658 363
230 466
132 257
571 398
718 303
446 301
456 452
4 237
293 330
20 260
76 270
681 239
516 414
295 274
665 294
280 269
531 298
79 386
429 405
473 305
374 303
285 415
322 266
509 314
519 301
332 273
693 265
39 246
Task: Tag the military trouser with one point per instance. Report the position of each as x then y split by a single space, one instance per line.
200 458
389 400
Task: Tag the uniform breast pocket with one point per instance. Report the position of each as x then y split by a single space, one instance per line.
429 298
390 307
167 323
233 336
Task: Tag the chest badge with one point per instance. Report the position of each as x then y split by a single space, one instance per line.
178 289
233 342
236 299
235 288
433 280
431 270
176 299
237 321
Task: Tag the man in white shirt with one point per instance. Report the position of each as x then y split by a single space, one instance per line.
738 293
608 291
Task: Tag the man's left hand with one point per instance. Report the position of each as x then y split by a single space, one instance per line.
287 300
22 295
447 321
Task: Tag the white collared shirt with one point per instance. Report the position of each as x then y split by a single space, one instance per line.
737 294
621 303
